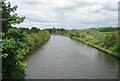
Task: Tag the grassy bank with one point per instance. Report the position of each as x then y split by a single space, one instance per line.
104 39
98 47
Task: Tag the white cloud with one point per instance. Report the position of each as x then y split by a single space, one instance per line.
67 13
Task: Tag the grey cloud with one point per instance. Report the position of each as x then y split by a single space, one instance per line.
36 3
36 19
111 6
75 14
75 6
111 9
85 4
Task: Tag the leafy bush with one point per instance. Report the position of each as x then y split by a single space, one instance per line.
37 39
13 52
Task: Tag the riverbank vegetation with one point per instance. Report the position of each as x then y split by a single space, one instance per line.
105 39
57 31
17 42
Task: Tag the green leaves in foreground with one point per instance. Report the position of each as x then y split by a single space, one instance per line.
13 52
17 42
15 45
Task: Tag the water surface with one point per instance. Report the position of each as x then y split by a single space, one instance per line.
65 58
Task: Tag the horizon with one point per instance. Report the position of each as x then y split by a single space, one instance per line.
67 29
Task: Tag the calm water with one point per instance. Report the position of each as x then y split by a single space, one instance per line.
64 58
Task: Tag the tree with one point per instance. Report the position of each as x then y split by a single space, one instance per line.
13 49
35 29
7 18
17 34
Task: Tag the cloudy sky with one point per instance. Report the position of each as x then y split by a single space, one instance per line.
67 14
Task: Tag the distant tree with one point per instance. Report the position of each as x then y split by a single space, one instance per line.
108 29
54 30
35 29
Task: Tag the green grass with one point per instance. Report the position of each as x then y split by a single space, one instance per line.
103 41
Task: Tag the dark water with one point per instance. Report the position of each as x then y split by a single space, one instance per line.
64 58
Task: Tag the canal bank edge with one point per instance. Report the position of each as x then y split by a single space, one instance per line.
116 55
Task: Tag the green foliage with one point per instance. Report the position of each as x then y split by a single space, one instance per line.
13 48
109 29
13 52
35 30
7 18
74 32
37 39
57 31
31 41
17 34
107 41
17 42
110 40
45 35
27 30
105 29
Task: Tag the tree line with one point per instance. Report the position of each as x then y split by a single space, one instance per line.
57 31
17 42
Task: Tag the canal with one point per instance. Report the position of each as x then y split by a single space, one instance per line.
65 58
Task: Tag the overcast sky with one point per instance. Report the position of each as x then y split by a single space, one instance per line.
67 14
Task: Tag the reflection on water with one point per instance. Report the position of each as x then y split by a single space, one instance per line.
64 58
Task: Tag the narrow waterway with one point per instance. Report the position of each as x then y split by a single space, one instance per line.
65 58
